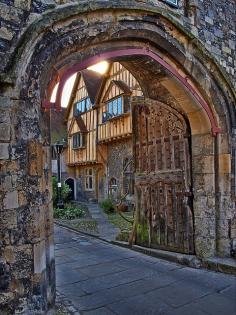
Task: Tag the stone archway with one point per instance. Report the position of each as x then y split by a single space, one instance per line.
51 48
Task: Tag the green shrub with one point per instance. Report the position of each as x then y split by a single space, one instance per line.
65 191
70 212
107 205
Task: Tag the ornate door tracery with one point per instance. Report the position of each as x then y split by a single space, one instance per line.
162 178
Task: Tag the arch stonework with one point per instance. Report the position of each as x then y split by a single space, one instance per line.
53 43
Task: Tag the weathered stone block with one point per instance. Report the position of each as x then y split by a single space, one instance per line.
4 151
9 254
23 266
205 225
11 200
5 132
9 167
23 4
39 257
49 220
225 184
7 183
232 224
225 163
10 13
35 158
204 164
8 219
204 247
202 144
204 183
5 33
6 297
223 247
4 115
22 198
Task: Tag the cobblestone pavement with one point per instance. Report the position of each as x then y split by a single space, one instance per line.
98 278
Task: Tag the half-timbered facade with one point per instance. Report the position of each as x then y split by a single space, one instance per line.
99 122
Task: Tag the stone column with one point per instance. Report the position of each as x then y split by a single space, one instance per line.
27 281
225 203
204 194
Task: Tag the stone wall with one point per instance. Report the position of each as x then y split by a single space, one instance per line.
117 152
38 41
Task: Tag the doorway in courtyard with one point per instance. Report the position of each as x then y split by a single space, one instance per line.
71 183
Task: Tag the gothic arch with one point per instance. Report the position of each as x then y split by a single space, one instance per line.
55 43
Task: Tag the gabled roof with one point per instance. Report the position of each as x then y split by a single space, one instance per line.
125 89
80 123
93 82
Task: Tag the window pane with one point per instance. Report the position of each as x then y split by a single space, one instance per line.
90 171
119 105
104 117
83 105
115 109
90 182
88 103
78 107
110 108
126 104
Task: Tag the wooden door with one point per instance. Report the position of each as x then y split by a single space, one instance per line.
162 178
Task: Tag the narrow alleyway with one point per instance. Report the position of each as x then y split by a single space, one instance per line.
99 278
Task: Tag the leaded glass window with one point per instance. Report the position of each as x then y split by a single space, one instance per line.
78 140
115 107
89 179
82 106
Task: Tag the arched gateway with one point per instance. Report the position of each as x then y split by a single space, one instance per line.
183 135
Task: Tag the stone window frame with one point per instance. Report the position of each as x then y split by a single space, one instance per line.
112 186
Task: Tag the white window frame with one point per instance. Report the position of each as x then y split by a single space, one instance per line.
89 179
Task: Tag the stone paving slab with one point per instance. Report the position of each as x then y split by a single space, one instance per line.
106 230
116 280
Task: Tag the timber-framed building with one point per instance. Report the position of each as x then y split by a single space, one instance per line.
99 122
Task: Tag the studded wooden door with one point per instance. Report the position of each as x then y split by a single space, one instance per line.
162 178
